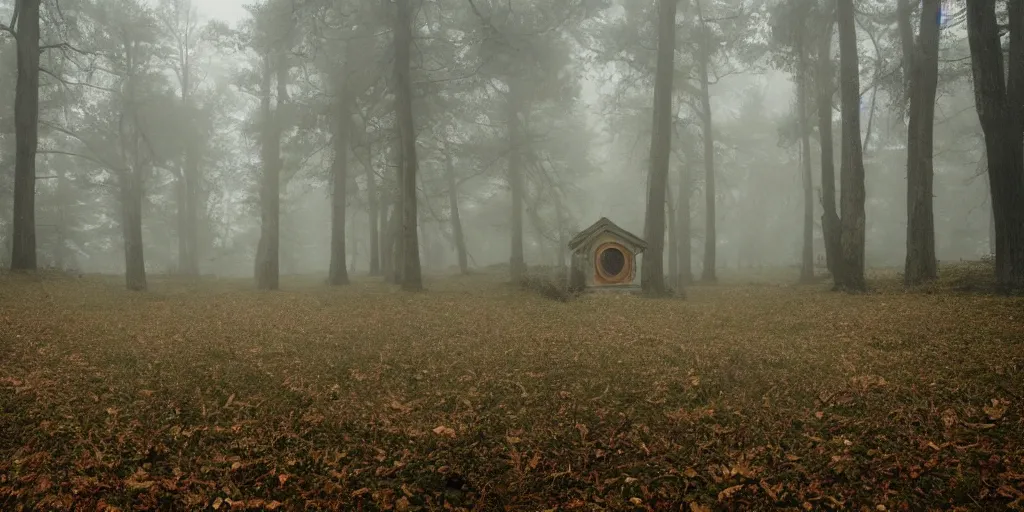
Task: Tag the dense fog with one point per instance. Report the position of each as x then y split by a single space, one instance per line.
169 92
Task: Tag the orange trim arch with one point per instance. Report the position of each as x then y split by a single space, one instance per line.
624 275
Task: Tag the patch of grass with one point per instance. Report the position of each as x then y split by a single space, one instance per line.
477 395
970 276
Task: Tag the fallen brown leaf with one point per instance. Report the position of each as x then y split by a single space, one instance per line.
728 492
402 504
444 431
996 410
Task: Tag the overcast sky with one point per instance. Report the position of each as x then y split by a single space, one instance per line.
227 10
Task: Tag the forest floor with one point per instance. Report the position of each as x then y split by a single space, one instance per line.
754 394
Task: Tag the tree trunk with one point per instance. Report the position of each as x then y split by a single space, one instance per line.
391 215
338 274
852 193
866 145
426 248
683 222
803 98
904 10
385 241
517 260
411 273
131 229
991 213
390 199
563 233
188 200
829 218
673 235
373 213
991 231
1000 106
453 205
353 242
710 236
921 264
131 178
268 252
61 256
652 277
205 231
395 236
180 199
189 263
394 227
26 132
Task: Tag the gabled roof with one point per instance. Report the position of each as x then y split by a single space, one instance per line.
604 225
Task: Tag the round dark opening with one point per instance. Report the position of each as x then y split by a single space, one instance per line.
612 261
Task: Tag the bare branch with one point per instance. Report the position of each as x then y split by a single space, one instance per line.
724 18
76 155
486 20
73 135
69 83
14 18
65 46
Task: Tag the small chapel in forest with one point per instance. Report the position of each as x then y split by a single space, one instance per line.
604 258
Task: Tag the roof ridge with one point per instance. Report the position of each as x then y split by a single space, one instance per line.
605 224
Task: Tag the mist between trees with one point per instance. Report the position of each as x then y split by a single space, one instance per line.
409 137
